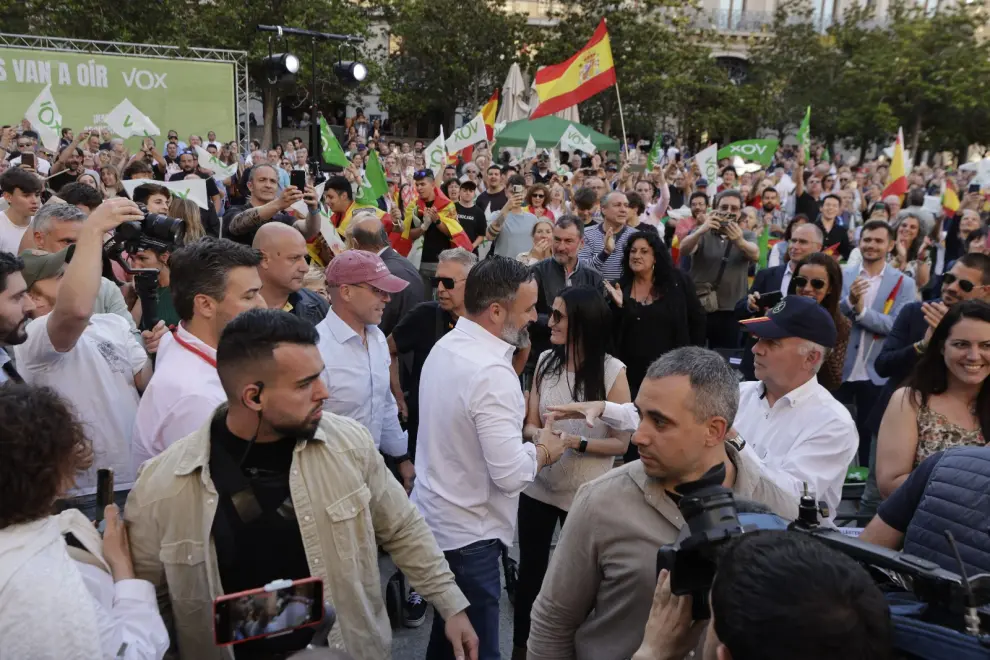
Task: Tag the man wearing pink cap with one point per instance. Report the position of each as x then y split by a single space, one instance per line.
356 352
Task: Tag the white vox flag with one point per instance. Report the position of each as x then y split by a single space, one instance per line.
707 160
191 189
436 155
126 121
530 150
210 162
572 139
46 119
467 135
300 207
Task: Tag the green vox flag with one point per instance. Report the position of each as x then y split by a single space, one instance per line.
827 156
761 151
655 155
764 247
373 184
804 132
333 154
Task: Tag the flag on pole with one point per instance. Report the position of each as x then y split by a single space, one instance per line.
333 153
588 72
46 119
707 160
764 243
488 113
436 155
467 135
210 162
804 132
373 184
656 153
126 121
950 198
573 139
897 174
530 150
761 151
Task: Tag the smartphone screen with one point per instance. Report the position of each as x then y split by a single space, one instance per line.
768 300
974 188
518 190
297 178
104 490
27 160
261 613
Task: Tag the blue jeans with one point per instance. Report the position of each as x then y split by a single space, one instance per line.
475 569
87 503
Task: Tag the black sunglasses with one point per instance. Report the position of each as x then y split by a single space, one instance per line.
447 282
420 174
965 285
556 315
801 281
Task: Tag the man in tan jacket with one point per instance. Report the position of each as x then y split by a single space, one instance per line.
598 590
274 488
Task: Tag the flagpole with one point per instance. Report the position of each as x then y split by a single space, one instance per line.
622 119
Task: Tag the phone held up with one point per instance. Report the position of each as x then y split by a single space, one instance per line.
274 609
297 178
104 491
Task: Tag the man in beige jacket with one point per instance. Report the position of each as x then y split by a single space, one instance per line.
274 488
598 590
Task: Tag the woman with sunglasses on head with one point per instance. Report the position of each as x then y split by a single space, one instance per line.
946 402
537 198
910 254
819 276
576 368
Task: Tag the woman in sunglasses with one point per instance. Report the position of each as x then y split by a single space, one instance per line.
819 276
576 368
537 198
947 399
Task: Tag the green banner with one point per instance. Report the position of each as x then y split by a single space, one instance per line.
804 133
760 151
189 97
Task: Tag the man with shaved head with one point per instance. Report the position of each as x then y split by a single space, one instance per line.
267 205
365 232
282 269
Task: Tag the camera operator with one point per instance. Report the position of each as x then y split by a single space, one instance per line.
267 204
92 360
605 562
213 280
776 596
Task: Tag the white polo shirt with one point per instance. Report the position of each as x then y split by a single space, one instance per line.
471 461
97 378
181 396
807 436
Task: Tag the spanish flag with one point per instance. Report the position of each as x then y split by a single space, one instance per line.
488 113
950 199
589 71
402 243
342 220
897 175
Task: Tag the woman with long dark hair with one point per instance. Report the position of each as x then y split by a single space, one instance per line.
576 368
946 402
819 276
910 254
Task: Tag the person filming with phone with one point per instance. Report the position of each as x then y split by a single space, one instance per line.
267 204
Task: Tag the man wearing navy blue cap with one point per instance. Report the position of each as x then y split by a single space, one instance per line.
797 429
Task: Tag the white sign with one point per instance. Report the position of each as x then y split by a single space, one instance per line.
467 135
707 160
46 119
126 121
572 140
436 155
300 207
192 189
210 162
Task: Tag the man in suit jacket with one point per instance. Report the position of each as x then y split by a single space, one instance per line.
805 240
873 294
365 232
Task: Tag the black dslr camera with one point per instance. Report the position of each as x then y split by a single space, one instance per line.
156 232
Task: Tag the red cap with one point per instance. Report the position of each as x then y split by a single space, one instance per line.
360 267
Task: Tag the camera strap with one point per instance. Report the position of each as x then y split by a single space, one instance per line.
721 268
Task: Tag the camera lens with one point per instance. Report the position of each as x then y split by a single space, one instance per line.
163 228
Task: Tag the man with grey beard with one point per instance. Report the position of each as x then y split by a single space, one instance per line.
468 491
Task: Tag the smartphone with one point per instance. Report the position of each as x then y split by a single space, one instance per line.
637 168
297 178
769 300
276 608
27 160
104 491
518 190
973 187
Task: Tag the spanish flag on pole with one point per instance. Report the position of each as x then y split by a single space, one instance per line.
950 199
589 71
897 175
487 113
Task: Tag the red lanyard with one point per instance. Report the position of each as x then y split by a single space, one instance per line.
192 349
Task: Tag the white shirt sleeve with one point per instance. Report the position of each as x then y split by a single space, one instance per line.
127 612
395 442
621 416
184 418
511 462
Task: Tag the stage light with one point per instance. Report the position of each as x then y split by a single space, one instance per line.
281 67
350 73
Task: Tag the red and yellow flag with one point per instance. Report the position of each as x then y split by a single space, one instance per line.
950 198
402 242
488 112
897 183
589 71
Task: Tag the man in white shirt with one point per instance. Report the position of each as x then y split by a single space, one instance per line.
356 352
15 307
22 192
471 459
27 143
212 281
92 360
799 432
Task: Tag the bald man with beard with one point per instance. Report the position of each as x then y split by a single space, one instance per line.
282 269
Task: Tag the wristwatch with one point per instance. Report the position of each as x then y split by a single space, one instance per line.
583 447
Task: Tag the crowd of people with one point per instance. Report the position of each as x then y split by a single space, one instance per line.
497 349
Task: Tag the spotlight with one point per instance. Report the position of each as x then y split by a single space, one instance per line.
281 67
350 73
